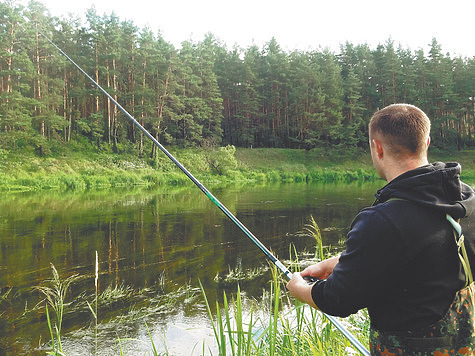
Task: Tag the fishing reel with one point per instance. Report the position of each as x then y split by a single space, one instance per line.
310 280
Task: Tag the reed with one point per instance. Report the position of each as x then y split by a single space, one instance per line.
154 349
288 329
96 293
312 229
55 296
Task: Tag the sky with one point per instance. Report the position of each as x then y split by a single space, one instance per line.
298 24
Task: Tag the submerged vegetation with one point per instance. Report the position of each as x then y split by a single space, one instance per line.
146 302
239 274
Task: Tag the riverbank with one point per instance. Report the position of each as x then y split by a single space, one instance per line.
77 170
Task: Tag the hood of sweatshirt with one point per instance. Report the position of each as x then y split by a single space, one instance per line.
436 185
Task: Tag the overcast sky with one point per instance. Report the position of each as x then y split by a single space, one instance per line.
298 24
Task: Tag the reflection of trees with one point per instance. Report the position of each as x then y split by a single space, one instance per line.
113 251
165 230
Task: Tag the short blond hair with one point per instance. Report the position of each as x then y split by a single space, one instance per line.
405 128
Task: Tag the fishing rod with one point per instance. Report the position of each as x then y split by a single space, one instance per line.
354 341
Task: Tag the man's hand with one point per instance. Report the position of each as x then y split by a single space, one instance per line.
321 270
300 289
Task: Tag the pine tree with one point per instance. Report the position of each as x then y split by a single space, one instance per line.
16 73
209 91
46 89
354 127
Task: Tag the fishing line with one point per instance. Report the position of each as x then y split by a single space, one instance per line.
211 197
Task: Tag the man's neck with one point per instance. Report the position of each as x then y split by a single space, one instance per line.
397 167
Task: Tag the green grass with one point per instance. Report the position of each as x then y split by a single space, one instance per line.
75 171
80 170
284 329
302 160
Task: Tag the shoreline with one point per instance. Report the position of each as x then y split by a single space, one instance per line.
99 171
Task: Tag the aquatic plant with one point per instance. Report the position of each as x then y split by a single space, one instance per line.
312 229
96 293
238 274
4 296
281 327
55 295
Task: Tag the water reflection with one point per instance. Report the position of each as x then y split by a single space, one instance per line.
150 244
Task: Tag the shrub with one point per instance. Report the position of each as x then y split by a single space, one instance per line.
222 159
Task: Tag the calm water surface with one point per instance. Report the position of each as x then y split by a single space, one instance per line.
153 248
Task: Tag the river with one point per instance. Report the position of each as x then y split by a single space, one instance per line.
153 248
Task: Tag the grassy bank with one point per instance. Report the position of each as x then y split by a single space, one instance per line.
314 160
78 169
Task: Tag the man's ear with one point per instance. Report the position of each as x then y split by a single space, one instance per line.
428 141
378 145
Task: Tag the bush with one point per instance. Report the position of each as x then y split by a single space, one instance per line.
273 176
222 159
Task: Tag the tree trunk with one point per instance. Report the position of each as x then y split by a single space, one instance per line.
160 107
96 73
38 81
142 105
9 60
108 107
115 124
132 99
66 117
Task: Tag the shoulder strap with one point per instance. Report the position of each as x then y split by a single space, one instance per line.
462 252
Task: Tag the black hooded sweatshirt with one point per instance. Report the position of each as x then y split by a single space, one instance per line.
401 260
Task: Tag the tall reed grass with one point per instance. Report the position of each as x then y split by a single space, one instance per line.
55 296
288 329
277 326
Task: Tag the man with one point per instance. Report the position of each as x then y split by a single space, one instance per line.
401 261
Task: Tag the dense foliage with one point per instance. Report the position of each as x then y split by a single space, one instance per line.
204 93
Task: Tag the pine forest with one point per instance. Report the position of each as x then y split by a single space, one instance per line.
207 94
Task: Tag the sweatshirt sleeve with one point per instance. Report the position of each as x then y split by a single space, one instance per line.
372 250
